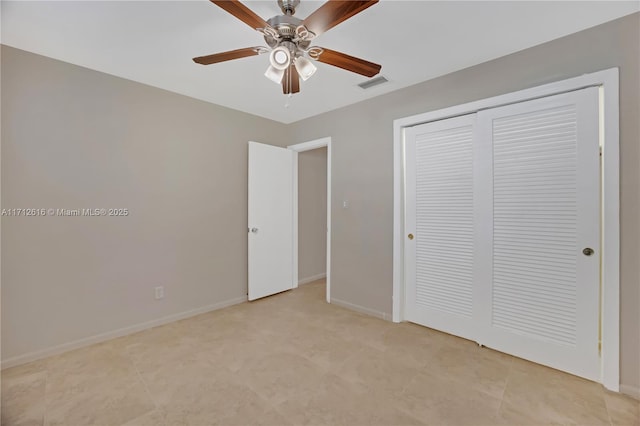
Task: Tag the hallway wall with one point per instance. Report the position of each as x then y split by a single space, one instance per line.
312 214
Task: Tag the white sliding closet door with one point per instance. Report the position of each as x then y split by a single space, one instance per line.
503 229
540 258
439 219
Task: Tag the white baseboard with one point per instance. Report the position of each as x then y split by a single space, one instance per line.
311 279
98 338
362 309
632 391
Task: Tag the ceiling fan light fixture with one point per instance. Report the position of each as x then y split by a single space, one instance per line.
280 58
288 39
305 67
274 74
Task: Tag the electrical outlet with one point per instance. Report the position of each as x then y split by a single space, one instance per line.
159 292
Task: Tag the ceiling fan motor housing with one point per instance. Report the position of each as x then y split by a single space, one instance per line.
285 25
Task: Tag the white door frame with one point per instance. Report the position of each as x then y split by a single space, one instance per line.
302 147
608 82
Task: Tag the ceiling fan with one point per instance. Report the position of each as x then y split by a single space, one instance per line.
288 39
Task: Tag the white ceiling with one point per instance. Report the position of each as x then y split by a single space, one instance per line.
152 42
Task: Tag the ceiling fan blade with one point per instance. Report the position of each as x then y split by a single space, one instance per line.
241 12
349 63
227 56
334 12
291 81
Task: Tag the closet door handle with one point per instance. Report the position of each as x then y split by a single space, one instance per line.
410 236
587 251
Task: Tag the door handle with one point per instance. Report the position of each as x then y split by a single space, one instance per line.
410 236
587 251
254 230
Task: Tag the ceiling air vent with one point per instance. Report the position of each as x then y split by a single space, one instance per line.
373 82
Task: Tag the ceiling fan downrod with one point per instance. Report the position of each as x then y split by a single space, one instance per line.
288 7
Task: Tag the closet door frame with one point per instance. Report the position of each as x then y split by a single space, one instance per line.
608 83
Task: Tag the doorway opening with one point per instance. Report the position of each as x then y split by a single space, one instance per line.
308 222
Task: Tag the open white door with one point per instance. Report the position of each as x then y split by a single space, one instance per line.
270 220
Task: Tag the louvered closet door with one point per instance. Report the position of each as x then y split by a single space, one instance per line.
440 217
540 184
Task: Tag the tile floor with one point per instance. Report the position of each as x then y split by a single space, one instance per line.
292 359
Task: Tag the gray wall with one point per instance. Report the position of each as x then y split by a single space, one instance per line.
312 213
75 138
362 161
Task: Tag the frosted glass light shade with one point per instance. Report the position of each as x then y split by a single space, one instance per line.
280 58
305 67
274 74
